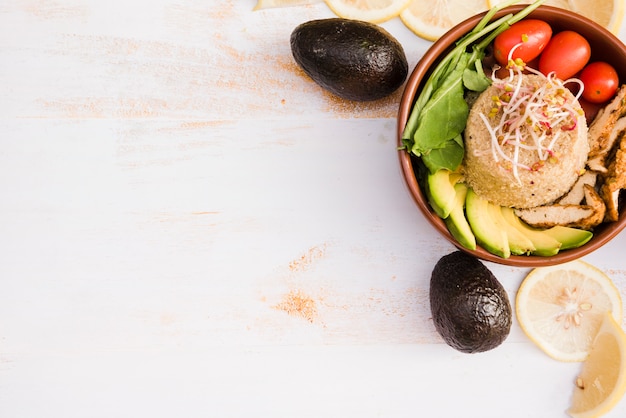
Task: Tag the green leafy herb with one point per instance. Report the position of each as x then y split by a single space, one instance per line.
475 79
445 114
450 155
440 112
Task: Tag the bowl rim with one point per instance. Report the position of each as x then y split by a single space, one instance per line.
416 77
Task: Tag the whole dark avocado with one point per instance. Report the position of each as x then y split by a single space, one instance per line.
470 308
352 59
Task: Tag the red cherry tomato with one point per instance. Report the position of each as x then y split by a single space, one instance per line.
601 82
532 34
566 54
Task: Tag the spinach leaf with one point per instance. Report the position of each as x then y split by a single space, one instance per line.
445 115
475 79
449 156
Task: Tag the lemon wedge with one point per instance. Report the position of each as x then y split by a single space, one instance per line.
429 19
602 380
560 308
373 11
607 13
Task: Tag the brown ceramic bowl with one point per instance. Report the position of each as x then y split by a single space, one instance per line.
604 45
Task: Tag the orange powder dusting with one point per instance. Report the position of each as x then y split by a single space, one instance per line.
53 10
192 125
306 259
97 108
616 272
288 64
296 303
386 107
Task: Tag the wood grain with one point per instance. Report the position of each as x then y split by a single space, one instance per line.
191 226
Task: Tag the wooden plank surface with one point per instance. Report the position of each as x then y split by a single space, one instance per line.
191 227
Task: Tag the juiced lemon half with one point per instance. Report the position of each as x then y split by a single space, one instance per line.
561 308
430 19
373 11
601 383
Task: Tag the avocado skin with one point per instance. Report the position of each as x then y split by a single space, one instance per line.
470 308
352 59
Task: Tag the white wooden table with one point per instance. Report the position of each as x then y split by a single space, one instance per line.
192 228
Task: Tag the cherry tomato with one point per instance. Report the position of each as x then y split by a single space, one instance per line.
566 54
532 34
601 82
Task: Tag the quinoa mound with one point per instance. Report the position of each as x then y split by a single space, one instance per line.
511 172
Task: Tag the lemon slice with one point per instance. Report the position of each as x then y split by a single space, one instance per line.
561 308
267 4
602 380
429 19
608 13
373 11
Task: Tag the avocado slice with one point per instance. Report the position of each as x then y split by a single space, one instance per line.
519 243
569 237
545 244
488 234
440 191
457 222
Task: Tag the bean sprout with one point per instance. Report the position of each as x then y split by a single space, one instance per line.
529 118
